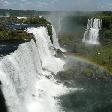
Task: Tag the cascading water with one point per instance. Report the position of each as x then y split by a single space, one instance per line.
91 35
55 41
44 45
24 75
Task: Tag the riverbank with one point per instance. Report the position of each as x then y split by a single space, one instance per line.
13 28
92 60
101 57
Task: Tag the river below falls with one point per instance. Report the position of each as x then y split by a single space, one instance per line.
95 93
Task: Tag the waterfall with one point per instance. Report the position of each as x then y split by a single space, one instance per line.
24 75
55 41
44 45
91 35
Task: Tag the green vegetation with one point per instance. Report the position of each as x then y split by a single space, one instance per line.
6 12
105 50
40 22
102 54
35 20
72 41
7 33
76 72
106 32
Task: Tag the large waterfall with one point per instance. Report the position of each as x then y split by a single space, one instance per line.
27 75
91 35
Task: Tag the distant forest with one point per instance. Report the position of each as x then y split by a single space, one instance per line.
7 12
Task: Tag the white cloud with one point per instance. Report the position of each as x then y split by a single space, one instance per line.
56 4
24 0
37 5
4 3
54 1
106 6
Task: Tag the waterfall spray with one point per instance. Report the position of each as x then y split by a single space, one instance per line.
24 75
91 35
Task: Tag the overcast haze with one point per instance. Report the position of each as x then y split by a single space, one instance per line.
74 5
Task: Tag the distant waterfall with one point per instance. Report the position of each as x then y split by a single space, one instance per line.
91 35
24 75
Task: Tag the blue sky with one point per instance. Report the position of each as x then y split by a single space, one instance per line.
81 5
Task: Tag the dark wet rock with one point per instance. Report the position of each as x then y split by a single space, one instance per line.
3 107
59 53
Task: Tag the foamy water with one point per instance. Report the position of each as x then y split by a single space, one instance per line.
24 73
91 35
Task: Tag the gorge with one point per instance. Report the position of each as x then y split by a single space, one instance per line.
34 78
27 75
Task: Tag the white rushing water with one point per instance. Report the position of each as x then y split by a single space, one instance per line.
45 49
91 35
55 41
24 73
21 17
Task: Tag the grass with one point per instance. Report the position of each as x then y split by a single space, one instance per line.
101 56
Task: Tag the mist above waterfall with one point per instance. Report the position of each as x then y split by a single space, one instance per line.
56 20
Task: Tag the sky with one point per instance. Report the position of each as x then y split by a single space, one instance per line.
52 5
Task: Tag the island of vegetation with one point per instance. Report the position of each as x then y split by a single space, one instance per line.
13 28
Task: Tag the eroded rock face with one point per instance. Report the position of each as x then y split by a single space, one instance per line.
3 107
59 53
